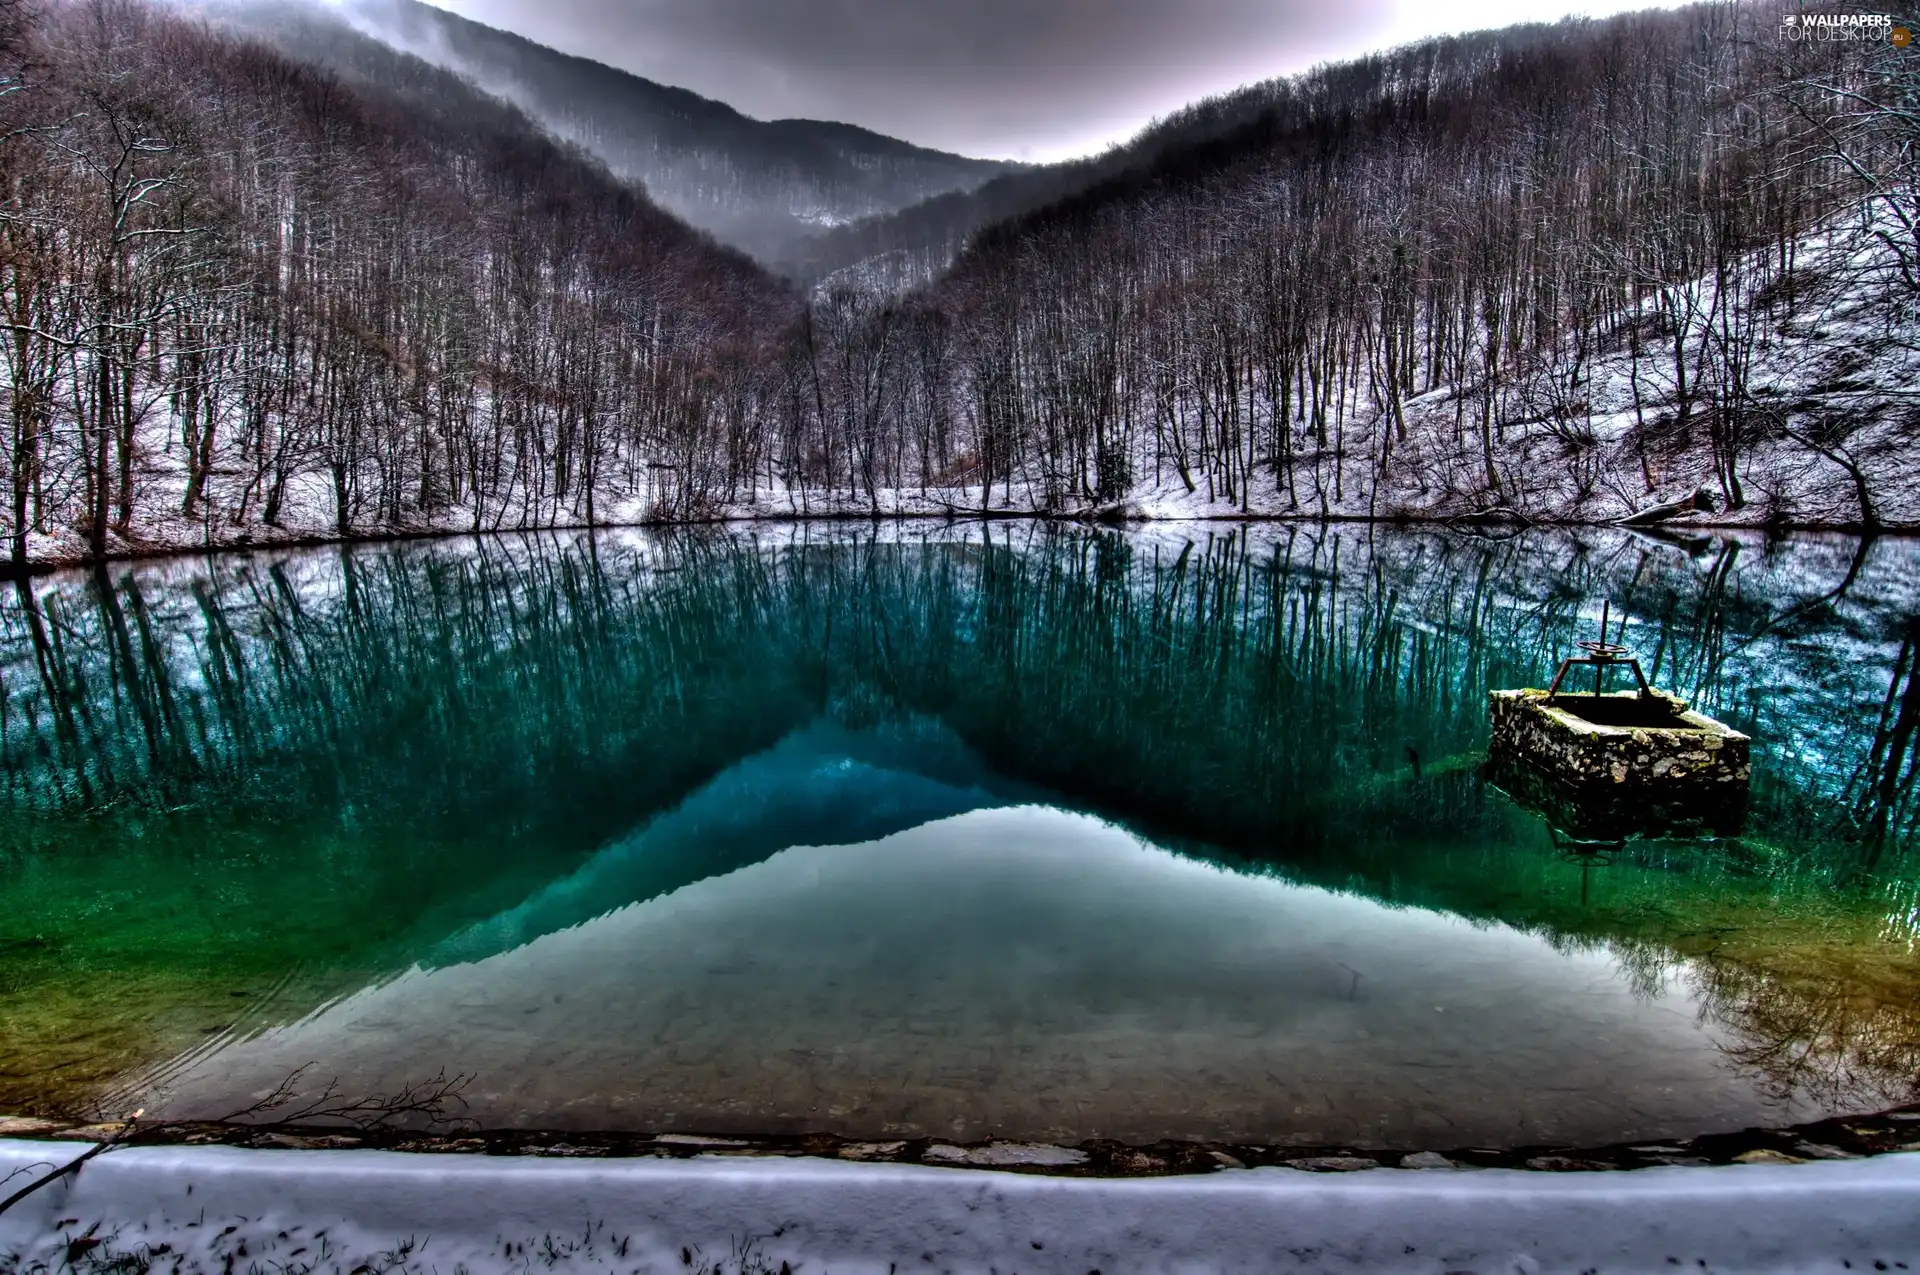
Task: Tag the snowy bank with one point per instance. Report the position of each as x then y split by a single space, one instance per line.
208 1208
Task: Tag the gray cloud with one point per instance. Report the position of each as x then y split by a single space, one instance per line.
1032 79
1017 78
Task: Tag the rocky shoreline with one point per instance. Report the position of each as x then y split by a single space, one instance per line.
1834 1138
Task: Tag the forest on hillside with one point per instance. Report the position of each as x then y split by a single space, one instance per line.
764 186
1665 261
240 292
1546 273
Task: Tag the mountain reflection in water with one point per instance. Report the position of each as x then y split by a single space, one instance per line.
1027 973
1019 831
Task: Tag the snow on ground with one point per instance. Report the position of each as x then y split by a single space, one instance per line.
1831 379
217 1208
1838 366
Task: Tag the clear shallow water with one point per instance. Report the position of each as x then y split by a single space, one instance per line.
1027 973
1017 832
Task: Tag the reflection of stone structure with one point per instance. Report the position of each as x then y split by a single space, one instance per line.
1626 759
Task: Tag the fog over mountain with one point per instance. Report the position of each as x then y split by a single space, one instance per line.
828 203
1037 80
763 186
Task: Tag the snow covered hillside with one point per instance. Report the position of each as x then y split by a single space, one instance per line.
1515 291
1831 396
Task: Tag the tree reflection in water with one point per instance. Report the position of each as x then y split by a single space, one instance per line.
217 771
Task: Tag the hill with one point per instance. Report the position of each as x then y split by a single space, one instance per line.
906 247
251 299
764 186
1580 272
1662 267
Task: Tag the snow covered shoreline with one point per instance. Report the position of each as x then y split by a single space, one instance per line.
227 1208
66 558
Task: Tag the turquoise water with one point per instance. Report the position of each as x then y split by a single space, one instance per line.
962 831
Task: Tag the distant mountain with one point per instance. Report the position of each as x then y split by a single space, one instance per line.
767 187
900 249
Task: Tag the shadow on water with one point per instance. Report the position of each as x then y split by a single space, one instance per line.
237 787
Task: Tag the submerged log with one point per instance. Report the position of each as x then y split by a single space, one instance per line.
1697 501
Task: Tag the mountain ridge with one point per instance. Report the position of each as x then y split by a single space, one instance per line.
763 186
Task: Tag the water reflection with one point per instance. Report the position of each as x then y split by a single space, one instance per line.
1033 974
238 788
822 785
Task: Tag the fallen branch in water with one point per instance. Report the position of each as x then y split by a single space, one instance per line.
435 1099
1695 501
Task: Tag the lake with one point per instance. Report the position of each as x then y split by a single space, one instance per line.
962 831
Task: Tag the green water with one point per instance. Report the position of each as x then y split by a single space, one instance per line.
961 831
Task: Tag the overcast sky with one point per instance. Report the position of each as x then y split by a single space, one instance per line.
1020 79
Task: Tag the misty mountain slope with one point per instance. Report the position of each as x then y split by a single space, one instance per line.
763 186
902 249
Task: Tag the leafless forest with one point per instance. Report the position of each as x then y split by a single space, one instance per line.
1668 261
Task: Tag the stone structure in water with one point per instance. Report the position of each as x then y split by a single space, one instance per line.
1609 764
1619 764
1651 742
